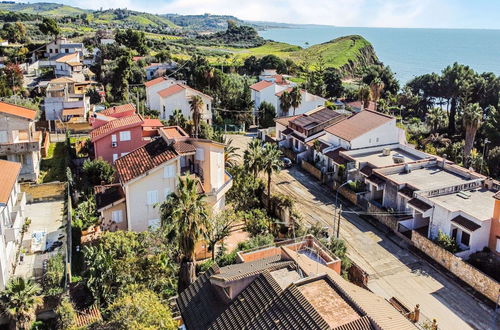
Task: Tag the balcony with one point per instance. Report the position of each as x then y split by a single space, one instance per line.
22 144
216 194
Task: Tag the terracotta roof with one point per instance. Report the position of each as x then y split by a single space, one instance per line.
152 122
174 89
358 104
74 112
66 58
108 194
9 172
242 270
418 204
154 81
466 223
336 157
16 110
144 159
118 109
285 120
88 317
114 125
261 85
358 124
174 132
62 80
182 147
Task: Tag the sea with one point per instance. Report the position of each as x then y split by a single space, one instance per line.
409 52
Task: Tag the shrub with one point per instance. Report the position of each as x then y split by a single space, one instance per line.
53 278
66 314
257 222
446 242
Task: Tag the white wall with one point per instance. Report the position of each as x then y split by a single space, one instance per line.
385 134
181 101
152 97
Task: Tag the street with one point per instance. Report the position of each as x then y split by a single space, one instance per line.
393 270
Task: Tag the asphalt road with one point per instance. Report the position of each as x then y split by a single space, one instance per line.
393 270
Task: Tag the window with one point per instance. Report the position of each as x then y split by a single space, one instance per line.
50 50
152 197
116 216
153 224
465 238
377 140
125 136
115 157
169 171
3 137
200 154
167 191
369 140
113 138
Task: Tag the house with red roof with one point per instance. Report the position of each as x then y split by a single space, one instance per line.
270 88
153 87
149 174
177 97
119 130
19 141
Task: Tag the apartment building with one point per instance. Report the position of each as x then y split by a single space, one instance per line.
156 85
178 96
12 205
66 100
150 173
19 141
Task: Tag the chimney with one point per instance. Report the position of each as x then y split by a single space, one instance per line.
488 183
444 161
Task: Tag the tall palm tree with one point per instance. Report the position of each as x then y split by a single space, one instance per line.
376 88
285 102
295 98
20 300
436 118
252 157
437 140
473 115
196 104
364 95
271 162
230 153
184 219
177 119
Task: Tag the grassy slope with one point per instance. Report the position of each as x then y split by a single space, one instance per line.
49 9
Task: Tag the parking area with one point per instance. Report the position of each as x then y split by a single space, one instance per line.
47 224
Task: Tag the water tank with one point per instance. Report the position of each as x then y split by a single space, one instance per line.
386 151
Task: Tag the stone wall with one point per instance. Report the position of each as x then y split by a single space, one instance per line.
467 273
388 220
311 169
44 192
346 193
45 145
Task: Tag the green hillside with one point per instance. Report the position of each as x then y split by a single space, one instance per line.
43 8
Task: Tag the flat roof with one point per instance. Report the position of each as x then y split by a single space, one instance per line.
427 178
328 303
480 203
377 158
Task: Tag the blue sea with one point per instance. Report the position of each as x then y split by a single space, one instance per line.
409 52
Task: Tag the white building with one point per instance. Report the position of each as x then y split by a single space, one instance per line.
156 70
65 99
177 97
62 46
65 65
154 86
12 205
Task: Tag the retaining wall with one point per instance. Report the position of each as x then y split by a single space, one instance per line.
44 192
311 169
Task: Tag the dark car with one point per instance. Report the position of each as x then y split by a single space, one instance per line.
287 163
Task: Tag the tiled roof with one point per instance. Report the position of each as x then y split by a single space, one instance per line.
8 177
319 117
62 80
66 58
239 271
336 157
248 303
261 85
421 205
114 125
358 104
289 89
144 159
466 223
182 147
152 122
174 89
154 81
118 109
359 324
358 124
108 194
285 120
74 112
16 110
407 191
174 132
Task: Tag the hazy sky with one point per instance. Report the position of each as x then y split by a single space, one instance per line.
372 13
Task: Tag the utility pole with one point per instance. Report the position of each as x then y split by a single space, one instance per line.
338 222
486 141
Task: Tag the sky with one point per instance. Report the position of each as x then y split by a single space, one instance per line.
483 14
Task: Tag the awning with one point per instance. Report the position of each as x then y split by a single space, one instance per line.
74 112
407 192
418 204
336 157
466 223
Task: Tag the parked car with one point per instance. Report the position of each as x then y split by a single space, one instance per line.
287 163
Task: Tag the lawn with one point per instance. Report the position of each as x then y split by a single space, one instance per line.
53 167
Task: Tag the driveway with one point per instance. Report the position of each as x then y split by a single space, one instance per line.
393 270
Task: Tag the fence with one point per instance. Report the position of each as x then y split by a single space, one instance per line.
311 169
464 271
44 192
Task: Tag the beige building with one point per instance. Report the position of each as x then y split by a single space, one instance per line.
148 175
19 141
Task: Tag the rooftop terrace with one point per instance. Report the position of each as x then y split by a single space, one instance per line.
378 159
427 178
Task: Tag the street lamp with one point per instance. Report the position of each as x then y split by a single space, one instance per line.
336 205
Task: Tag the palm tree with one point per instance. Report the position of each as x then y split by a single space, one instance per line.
285 102
437 140
184 219
271 162
295 98
473 115
376 88
364 94
252 157
196 104
20 300
177 119
230 153
436 118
